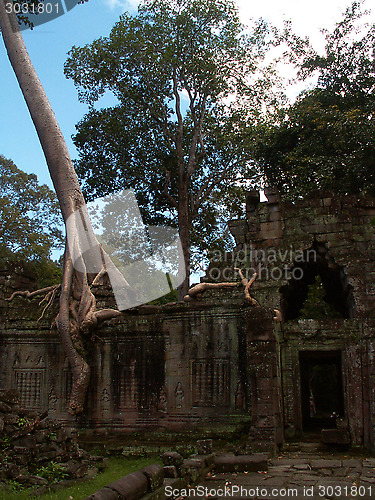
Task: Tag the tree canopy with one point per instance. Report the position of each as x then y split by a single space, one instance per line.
182 72
326 139
30 221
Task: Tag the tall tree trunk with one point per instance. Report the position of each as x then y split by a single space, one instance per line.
77 310
184 227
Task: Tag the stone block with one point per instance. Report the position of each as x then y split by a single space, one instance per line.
352 462
172 458
154 475
335 436
208 459
241 463
170 471
11 419
192 473
4 407
130 487
104 494
28 442
10 396
204 446
325 464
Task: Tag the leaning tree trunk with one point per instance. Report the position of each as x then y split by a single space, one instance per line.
77 310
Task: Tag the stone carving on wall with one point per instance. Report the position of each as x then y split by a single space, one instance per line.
179 394
129 386
105 396
29 378
211 382
67 381
105 399
240 398
162 402
52 399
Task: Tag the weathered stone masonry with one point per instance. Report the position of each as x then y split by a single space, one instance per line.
220 359
181 365
341 233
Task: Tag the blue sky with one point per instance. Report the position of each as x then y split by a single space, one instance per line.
48 45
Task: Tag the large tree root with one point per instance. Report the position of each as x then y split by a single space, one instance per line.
50 294
76 318
195 293
30 295
247 284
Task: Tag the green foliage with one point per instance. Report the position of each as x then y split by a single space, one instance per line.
118 467
326 139
15 486
175 137
53 471
5 440
30 223
172 296
315 306
23 421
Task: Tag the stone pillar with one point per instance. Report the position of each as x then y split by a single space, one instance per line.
264 380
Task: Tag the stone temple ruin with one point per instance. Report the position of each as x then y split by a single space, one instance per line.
302 360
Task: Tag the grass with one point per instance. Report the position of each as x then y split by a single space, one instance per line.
117 468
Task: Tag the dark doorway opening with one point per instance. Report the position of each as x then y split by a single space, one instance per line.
322 395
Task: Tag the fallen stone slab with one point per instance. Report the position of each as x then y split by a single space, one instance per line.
172 458
241 463
196 463
155 476
104 494
352 462
130 487
194 471
325 463
288 461
366 479
170 471
369 462
204 446
207 459
303 467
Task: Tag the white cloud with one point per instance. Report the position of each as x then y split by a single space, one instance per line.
308 18
123 5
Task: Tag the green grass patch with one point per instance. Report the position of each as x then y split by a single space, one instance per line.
117 468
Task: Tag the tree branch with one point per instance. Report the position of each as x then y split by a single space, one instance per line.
193 158
180 126
167 183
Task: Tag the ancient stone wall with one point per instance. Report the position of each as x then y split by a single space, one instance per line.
220 358
182 364
289 245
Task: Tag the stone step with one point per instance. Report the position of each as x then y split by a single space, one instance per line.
241 463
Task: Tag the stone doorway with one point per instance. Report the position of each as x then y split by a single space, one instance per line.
322 396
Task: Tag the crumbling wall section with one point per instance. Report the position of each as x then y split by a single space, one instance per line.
153 366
